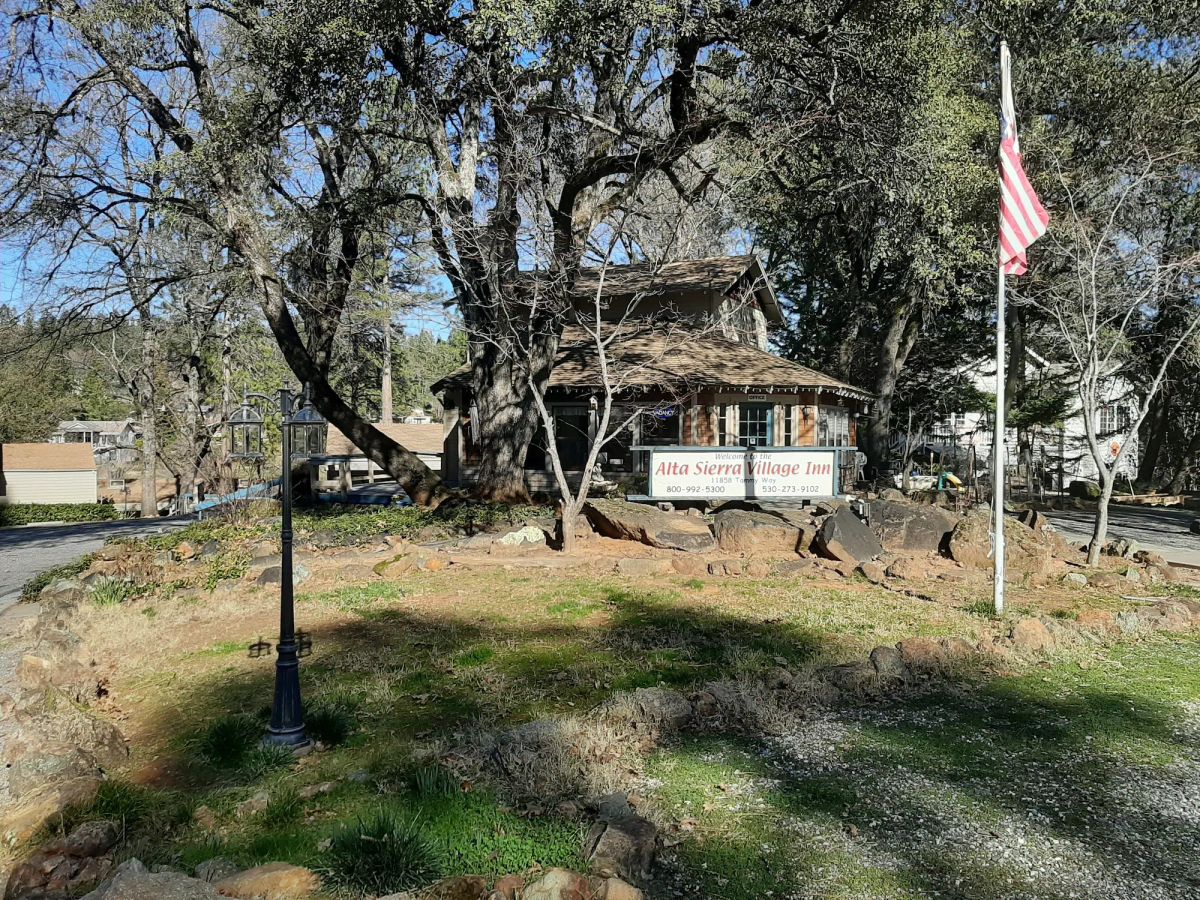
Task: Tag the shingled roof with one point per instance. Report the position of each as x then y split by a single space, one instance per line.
415 438
652 357
47 458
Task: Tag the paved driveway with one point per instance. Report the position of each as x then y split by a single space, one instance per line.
1161 528
26 552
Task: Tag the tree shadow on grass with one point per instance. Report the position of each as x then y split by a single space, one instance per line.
1004 791
920 781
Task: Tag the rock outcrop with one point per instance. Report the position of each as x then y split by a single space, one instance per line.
635 522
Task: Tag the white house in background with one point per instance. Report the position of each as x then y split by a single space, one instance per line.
417 416
112 440
1054 449
47 473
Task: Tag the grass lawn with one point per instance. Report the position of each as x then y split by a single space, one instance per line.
891 800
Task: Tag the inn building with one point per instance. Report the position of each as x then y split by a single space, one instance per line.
695 371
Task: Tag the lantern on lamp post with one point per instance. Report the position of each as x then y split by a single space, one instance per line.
302 431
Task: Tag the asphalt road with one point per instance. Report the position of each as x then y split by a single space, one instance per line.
26 552
1161 528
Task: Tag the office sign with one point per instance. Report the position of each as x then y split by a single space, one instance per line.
733 473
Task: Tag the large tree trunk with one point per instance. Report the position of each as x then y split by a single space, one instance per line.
507 415
147 413
898 340
1156 428
1185 466
385 376
422 485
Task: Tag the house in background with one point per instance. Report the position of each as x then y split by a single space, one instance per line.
47 473
114 441
1059 455
695 368
343 469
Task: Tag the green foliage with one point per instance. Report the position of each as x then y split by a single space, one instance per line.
226 565
27 513
132 806
380 854
115 591
265 759
330 723
229 741
433 780
476 656
43 580
284 807
356 524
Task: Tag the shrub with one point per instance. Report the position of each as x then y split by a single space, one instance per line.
115 591
382 854
330 723
228 741
434 781
28 513
264 759
38 583
284 808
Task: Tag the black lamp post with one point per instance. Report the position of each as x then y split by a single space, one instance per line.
303 428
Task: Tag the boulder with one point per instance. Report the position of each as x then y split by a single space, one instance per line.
642 568
726 567
530 536
133 882
560 884
1030 635
460 887
1075 578
633 522
908 568
905 527
845 538
889 663
922 654
1106 580
89 839
1026 553
957 648
744 531
1098 621
689 566
274 575
622 847
1084 490
215 869
274 881
793 566
508 888
1122 548
874 572
616 889
1195 526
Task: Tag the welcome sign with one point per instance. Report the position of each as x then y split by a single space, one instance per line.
733 473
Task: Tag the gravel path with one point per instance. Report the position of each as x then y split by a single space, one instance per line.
26 552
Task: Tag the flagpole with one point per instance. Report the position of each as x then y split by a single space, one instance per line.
998 453
998 423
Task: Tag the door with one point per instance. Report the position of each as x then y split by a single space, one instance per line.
756 424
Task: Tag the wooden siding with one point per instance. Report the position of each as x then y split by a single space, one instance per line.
50 487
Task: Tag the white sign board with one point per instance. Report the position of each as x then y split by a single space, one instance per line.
742 474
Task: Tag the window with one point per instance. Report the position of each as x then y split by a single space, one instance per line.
571 435
833 426
755 424
660 427
1112 419
788 412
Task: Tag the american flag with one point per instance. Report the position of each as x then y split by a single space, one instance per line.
1022 218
